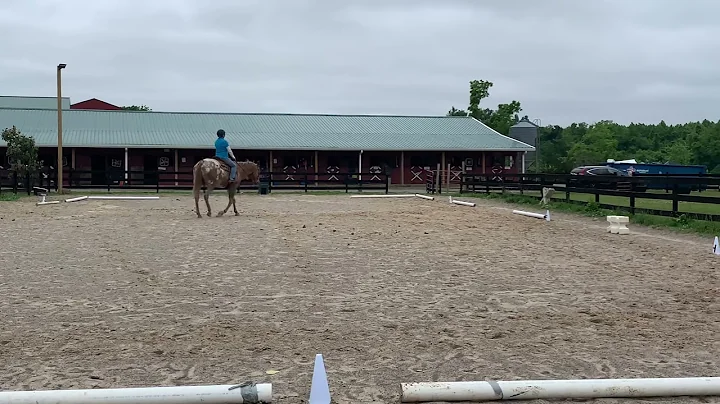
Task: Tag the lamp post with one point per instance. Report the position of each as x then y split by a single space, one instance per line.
59 178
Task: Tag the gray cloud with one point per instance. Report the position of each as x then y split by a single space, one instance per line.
564 60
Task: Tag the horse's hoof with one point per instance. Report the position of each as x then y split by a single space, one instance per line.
219 214
209 214
237 214
199 216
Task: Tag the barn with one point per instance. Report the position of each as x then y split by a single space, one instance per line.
323 145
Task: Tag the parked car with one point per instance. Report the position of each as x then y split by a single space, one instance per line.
600 177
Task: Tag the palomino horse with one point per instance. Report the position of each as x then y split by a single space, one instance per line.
214 173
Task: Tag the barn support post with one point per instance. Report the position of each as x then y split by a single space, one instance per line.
127 163
523 162
448 176
177 166
317 165
483 162
402 168
360 165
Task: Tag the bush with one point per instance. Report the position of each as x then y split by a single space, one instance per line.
21 151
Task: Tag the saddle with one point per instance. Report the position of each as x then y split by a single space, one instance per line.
223 164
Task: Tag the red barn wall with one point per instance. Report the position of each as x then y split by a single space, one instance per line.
294 164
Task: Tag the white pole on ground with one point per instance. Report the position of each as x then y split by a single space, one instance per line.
79 198
455 201
225 394
559 389
430 198
545 216
124 197
384 196
42 200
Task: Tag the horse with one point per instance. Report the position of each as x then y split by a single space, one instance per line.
214 173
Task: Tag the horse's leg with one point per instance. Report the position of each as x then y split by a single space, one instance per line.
235 207
197 184
196 194
230 200
206 195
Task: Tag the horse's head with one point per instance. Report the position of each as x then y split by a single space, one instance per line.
254 174
251 171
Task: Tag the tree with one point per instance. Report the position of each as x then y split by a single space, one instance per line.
21 151
500 120
691 143
596 146
142 108
457 112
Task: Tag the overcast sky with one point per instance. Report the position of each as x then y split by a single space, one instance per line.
564 60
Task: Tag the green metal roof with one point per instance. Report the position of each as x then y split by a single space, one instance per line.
85 128
23 102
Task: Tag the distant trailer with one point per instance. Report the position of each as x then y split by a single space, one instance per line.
664 169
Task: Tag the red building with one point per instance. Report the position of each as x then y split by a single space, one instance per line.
95 104
320 146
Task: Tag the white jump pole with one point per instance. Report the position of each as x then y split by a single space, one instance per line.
559 389
430 198
79 198
42 194
461 202
219 394
130 198
545 215
384 196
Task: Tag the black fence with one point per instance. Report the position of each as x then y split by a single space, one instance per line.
674 188
182 180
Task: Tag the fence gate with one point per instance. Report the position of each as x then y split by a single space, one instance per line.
431 182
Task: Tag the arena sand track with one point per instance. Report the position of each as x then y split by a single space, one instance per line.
141 293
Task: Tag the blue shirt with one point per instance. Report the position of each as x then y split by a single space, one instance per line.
221 146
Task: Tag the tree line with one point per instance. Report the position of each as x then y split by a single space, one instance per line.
563 148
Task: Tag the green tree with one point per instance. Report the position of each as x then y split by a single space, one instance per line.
500 120
596 146
457 112
552 154
21 150
562 148
142 108
678 152
689 143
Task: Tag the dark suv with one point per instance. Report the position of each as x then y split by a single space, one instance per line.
582 177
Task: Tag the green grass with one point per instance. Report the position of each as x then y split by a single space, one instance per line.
687 207
592 209
9 196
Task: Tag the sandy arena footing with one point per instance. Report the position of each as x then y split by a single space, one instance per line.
142 293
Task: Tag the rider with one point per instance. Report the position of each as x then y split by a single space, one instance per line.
224 153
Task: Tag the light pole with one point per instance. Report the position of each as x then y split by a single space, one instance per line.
59 178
